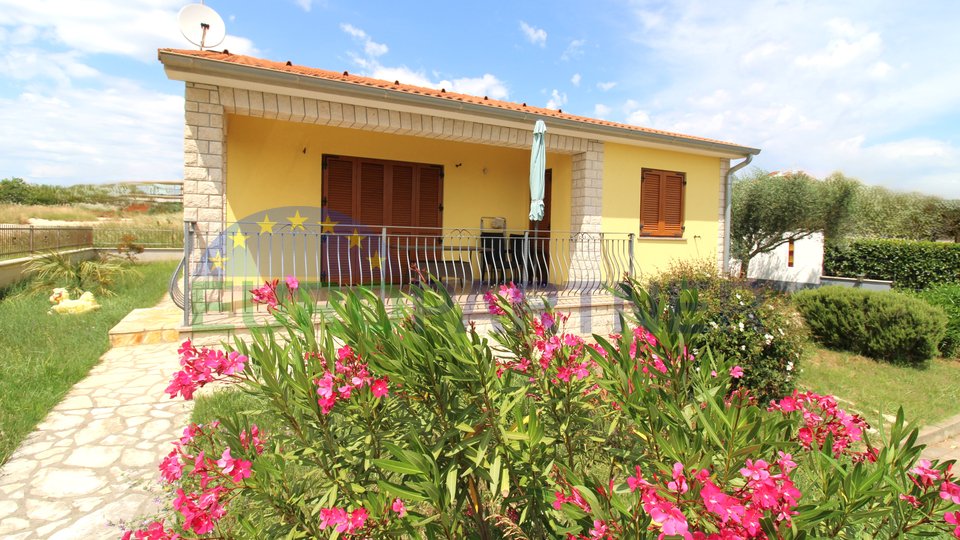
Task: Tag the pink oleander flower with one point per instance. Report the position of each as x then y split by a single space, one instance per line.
379 388
236 469
950 492
924 475
171 468
200 512
953 518
822 417
200 367
252 440
722 505
575 498
292 283
679 483
736 372
511 293
755 470
910 499
492 305
153 531
669 518
343 521
398 507
266 294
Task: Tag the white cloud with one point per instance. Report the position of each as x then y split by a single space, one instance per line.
484 85
575 80
370 47
818 86
605 86
136 28
573 50
305 4
557 99
77 123
537 36
601 111
93 135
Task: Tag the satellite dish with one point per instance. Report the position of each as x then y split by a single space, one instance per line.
202 26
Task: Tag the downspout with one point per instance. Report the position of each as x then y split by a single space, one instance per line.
728 204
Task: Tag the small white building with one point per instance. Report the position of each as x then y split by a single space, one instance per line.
792 265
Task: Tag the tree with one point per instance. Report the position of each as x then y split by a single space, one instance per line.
771 210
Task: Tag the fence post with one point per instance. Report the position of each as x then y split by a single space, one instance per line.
630 273
187 253
31 240
526 259
383 248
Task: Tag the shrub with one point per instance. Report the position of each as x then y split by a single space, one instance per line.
947 298
412 426
909 264
757 327
881 325
57 269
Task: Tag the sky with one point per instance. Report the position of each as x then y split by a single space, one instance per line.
869 88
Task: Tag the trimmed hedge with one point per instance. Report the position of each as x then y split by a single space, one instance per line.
947 297
909 264
881 325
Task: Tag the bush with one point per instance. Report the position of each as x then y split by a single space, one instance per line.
414 426
881 325
910 265
756 326
947 298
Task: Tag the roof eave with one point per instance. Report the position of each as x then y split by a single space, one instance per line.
181 63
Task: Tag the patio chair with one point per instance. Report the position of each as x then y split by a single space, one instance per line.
494 259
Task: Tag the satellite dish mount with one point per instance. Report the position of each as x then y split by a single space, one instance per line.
202 26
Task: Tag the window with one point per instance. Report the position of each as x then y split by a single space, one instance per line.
661 203
790 248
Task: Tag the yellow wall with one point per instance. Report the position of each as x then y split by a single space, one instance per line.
267 168
621 203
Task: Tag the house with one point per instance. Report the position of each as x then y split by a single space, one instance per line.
795 264
342 180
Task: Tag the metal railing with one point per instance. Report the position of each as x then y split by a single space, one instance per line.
394 259
149 238
23 240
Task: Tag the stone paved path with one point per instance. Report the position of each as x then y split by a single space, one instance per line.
93 460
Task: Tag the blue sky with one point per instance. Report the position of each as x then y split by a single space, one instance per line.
868 88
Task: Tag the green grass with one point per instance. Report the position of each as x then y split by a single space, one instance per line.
44 355
927 394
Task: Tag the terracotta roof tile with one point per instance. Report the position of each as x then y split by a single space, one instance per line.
289 67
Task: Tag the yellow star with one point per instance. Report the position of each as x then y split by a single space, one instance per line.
355 240
266 226
217 261
375 260
297 221
328 225
239 240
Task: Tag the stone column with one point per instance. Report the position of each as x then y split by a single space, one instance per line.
204 174
586 194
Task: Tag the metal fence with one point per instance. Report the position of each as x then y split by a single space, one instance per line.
394 259
24 240
110 237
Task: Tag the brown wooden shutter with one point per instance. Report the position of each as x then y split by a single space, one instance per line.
672 190
371 193
401 197
662 203
338 189
650 202
430 191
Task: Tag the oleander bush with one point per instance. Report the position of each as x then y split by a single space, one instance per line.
757 326
883 325
947 298
909 264
413 425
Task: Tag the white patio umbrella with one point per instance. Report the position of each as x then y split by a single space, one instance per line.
538 162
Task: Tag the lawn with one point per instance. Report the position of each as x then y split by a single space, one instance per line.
44 355
927 394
